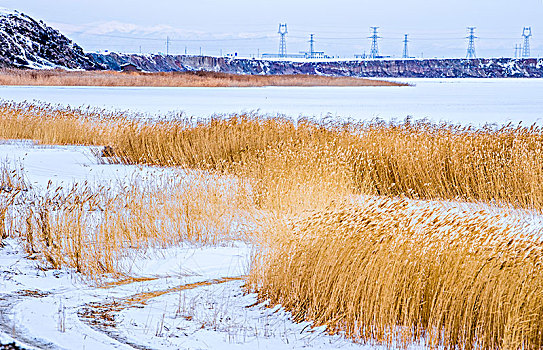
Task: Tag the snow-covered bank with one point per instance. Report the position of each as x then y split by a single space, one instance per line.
466 101
188 296
44 308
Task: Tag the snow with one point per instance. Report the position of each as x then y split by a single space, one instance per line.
198 310
228 323
6 12
36 319
65 165
46 308
210 317
466 101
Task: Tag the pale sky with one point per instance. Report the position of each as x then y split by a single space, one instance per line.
341 27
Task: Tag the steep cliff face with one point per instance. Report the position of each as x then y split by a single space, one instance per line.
427 68
26 43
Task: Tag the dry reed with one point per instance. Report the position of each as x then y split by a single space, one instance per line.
174 79
399 272
416 159
12 184
387 270
92 228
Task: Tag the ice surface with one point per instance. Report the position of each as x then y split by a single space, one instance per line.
467 101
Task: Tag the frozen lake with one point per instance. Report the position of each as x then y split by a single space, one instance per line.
475 101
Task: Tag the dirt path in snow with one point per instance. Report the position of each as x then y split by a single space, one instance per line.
101 316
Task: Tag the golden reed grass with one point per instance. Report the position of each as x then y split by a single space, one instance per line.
384 270
60 77
416 159
12 184
401 272
94 229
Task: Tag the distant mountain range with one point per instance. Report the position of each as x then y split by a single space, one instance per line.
30 44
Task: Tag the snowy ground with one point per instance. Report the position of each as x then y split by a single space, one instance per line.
200 302
187 297
467 101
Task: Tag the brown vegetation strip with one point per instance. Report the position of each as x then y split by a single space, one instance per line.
125 281
175 79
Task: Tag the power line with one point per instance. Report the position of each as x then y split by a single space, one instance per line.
291 36
176 40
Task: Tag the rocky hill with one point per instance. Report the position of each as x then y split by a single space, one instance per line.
27 43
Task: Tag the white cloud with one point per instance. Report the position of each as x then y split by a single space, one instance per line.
117 27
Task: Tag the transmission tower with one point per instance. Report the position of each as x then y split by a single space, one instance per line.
167 45
405 50
518 50
374 53
526 33
311 46
283 41
471 44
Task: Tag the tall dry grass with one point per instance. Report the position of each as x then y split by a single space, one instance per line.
12 184
386 270
417 159
92 228
174 79
400 272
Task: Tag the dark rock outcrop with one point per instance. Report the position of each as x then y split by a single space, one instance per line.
27 43
10 346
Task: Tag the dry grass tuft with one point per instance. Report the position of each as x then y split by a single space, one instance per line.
398 272
91 229
174 79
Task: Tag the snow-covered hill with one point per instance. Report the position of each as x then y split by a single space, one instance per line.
27 43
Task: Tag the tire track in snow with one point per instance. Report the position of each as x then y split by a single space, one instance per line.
101 316
9 326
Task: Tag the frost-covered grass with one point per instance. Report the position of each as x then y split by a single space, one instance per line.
93 228
398 271
379 269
